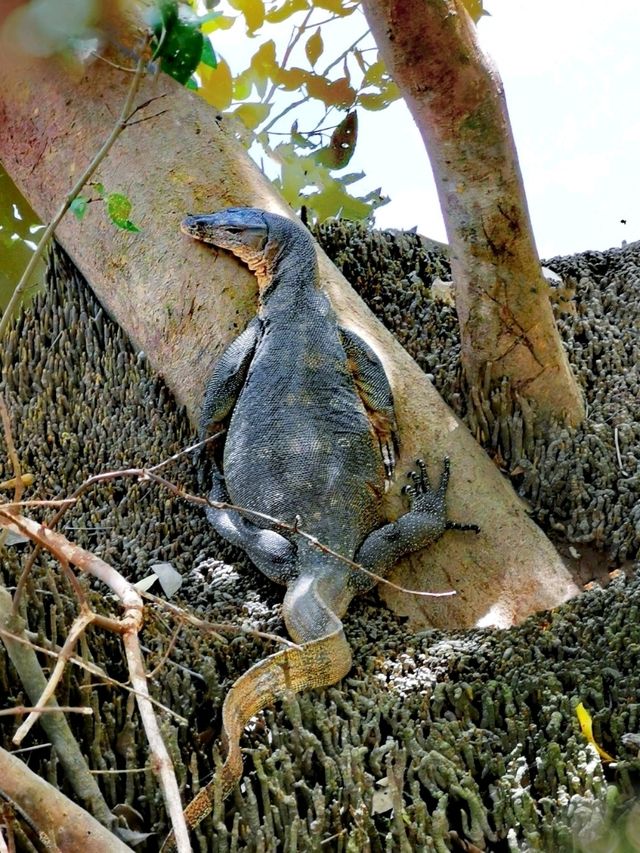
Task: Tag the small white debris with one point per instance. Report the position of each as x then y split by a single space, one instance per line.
170 579
551 276
443 291
145 584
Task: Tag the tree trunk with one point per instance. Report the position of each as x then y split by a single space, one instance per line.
182 303
457 100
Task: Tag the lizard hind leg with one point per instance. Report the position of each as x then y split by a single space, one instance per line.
272 553
421 526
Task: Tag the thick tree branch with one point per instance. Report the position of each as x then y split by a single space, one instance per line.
457 100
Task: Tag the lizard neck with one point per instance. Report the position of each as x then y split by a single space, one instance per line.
293 276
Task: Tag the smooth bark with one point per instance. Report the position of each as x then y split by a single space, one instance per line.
182 303
457 100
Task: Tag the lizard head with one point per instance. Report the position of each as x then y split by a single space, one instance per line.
266 242
241 230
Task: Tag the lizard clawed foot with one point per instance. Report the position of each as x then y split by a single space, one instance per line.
454 525
423 498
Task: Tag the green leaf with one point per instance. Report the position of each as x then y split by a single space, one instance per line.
298 139
79 206
119 208
99 188
208 56
192 84
181 51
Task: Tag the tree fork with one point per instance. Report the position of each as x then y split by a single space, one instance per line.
457 100
182 304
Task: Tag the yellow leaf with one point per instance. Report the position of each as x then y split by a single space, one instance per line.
251 115
217 84
336 6
288 8
381 99
222 22
475 9
314 47
291 78
373 74
25 479
253 11
263 61
586 725
242 86
333 94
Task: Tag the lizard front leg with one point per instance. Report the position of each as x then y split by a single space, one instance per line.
422 525
274 555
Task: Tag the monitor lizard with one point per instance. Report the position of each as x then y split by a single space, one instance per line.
311 436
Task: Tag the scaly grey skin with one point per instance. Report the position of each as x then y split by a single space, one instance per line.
311 433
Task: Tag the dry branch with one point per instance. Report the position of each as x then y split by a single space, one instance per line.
131 623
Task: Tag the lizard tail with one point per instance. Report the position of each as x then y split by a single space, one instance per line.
317 663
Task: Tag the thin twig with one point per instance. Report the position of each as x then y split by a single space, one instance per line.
18 487
146 118
160 760
45 709
11 450
618 454
52 503
345 53
68 502
283 113
80 623
186 450
146 474
118 772
112 64
170 647
293 40
22 653
119 126
216 628
93 669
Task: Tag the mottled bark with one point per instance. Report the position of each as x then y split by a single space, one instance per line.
457 100
182 303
